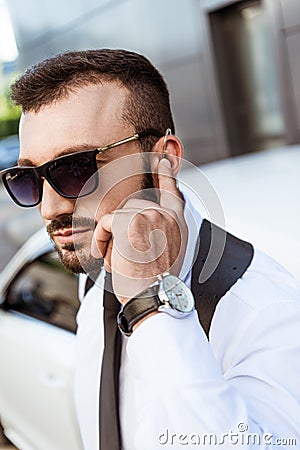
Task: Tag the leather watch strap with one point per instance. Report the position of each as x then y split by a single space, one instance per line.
136 309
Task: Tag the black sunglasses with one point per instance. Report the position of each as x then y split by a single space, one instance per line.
69 175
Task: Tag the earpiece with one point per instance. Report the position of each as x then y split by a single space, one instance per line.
168 132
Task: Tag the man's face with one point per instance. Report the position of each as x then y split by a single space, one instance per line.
89 118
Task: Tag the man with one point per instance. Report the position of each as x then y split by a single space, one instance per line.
238 389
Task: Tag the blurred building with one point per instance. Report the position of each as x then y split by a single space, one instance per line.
233 67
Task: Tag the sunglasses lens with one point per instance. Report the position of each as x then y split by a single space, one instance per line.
73 176
23 187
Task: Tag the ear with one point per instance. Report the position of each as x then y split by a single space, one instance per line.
171 148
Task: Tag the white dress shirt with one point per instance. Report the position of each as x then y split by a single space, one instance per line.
240 389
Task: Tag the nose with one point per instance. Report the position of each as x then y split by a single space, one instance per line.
54 205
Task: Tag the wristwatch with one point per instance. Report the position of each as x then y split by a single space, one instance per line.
168 294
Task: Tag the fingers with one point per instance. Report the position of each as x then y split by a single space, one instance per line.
102 236
171 204
170 196
131 232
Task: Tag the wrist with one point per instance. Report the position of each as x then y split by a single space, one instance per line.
168 294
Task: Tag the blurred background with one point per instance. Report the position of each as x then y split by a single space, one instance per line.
233 69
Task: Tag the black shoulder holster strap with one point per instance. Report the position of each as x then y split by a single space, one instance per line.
230 264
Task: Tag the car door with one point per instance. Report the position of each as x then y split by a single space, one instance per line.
37 326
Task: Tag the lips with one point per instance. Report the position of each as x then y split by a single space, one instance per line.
70 235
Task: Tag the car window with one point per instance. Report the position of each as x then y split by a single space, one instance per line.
44 290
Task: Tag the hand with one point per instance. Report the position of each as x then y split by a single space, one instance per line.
143 239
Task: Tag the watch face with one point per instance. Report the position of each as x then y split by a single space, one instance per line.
178 294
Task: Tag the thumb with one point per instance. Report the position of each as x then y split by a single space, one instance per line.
102 236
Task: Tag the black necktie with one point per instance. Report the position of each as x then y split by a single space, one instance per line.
88 285
109 387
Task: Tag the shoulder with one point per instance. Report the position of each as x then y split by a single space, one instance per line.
259 315
265 283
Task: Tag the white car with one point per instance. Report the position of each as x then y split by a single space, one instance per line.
37 329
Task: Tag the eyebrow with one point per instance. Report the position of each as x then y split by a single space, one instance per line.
75 148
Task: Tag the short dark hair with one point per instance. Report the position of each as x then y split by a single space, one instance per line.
147 105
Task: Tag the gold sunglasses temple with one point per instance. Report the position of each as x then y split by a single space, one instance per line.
116 144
